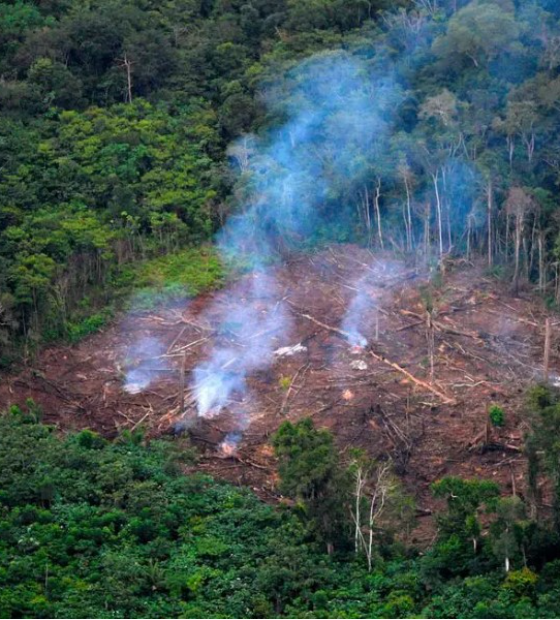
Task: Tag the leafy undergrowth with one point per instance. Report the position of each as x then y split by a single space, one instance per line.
148 284
96 529
175 276
80 328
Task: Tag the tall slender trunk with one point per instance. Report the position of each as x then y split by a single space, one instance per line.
469 235
526 256
410 238
358 514
518 230
511 150
128 67
490 202
542 268
508 233
378 213
447 210
435 178
530 144
366 212
406 231
427 222
534 244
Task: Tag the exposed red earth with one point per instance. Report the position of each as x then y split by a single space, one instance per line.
488 347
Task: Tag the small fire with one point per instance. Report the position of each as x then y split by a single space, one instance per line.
357 342
347 395
210 414
230 444
357 349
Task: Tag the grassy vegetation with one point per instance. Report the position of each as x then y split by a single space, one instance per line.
147 285
175 276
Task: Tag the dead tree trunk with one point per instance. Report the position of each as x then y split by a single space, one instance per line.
542 266
490 232
517 250
435 178
378 213
409 236
127 64
547 341
366 214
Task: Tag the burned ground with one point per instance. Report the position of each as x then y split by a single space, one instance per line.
381 398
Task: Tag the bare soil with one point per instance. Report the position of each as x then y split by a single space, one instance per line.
488 349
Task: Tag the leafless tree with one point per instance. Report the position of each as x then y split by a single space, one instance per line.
518 206
373 487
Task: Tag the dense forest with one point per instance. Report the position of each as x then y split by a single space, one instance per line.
116 530
132 134
116 120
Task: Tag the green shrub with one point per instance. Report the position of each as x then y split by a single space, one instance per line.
497 415
521 582
176 276
79 330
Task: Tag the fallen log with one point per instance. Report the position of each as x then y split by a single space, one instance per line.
446 399
176 339
475 441
410 326
283 406
441 326
188 346
335 330
137 424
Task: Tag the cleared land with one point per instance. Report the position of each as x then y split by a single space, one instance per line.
487 344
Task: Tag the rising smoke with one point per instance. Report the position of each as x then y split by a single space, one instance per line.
337 114
139 361
255 320
334 117
360 306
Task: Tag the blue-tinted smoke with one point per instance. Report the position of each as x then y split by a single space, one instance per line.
361 305
140 361
337 114
253 321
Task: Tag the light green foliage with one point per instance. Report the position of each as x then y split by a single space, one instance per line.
179 275
476 34
108 187
92 182
496 415
89 325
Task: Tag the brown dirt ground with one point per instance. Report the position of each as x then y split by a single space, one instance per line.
488 349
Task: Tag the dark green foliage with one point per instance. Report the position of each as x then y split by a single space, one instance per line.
115 117
307 459
98 529
102 189
93 529
543 448
310 472
460 528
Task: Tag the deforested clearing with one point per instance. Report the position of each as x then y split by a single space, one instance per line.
383 397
